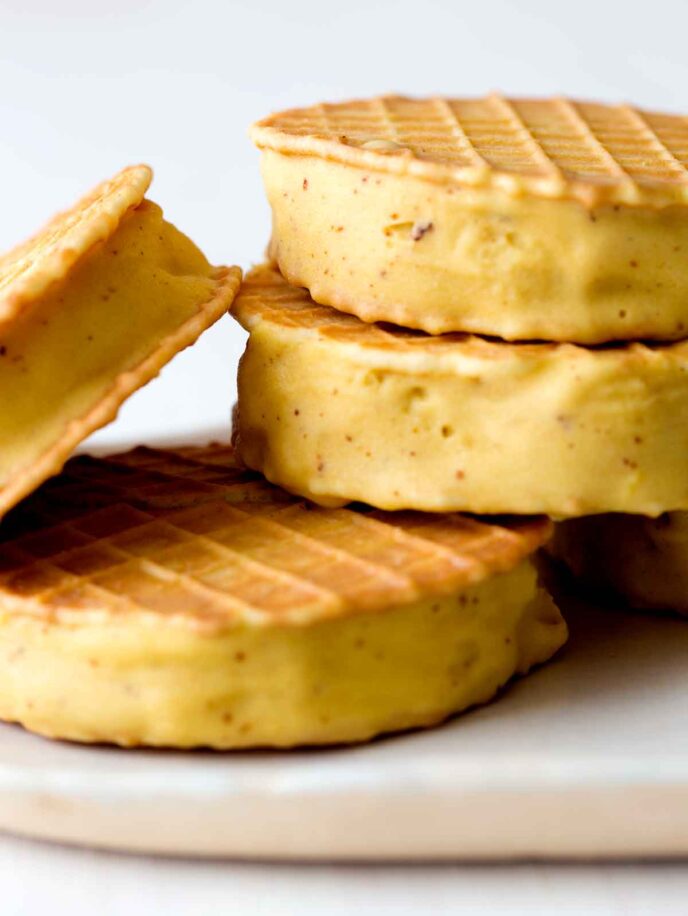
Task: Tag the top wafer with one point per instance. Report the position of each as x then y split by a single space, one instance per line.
518 218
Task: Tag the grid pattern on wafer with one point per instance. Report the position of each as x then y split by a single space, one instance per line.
549 147
188 535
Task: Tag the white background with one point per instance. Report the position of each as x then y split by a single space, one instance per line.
89 86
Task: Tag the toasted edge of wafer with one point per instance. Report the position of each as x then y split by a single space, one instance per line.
32 267
590 152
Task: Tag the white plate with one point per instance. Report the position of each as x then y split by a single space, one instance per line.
586 757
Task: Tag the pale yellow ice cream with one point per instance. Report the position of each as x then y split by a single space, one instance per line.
440 258
135 681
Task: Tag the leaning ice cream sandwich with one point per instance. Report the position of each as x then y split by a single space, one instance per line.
91 308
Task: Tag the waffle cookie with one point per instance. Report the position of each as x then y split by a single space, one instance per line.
519 218
337 410
171 598
643 561
91 308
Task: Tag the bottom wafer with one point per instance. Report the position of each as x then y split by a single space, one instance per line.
169 598
644 561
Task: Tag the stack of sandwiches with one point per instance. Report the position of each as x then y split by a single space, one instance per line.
539 246
472 325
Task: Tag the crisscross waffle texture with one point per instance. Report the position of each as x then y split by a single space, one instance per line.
550 147
171 598
190 533
338 410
